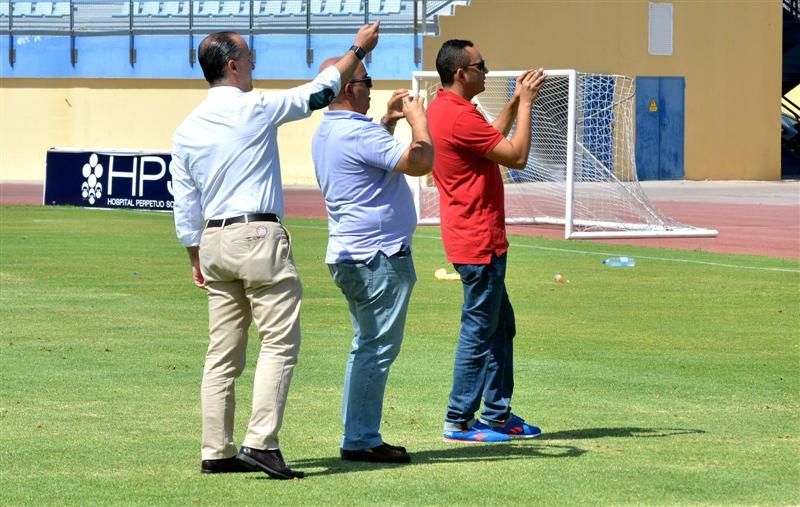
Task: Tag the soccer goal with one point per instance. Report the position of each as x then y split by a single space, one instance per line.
581 171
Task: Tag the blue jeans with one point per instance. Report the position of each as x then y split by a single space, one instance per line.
484 362
377 293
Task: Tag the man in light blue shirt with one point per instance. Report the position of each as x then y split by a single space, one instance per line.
360 168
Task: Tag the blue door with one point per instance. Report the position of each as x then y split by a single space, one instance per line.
659 127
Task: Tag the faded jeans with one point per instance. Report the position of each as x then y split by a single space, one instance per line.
377 293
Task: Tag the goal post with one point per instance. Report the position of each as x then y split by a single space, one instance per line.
581 171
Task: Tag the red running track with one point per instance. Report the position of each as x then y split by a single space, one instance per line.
751 229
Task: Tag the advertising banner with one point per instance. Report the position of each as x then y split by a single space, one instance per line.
108 179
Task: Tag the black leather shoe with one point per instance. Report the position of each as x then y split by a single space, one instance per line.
224 466
269 461
395 447
381 454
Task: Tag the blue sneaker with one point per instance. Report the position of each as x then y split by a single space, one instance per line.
475 434
515 427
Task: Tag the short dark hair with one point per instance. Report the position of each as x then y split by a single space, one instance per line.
451 57
214 53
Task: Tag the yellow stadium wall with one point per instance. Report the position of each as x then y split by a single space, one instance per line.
729 53
37 114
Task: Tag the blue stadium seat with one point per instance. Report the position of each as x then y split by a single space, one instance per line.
43 9
332 7
353 7
295 8
390 7
207 8
174 8
270 8
23 9
61 9
231 8
147 8
4 10
316 7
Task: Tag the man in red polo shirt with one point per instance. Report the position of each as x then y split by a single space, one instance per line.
467 151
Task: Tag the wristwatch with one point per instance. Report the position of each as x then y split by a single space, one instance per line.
360 53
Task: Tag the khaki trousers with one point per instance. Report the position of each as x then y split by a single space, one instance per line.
251 276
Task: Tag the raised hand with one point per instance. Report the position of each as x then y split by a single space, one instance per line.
367 36
394 109
414 110
529 84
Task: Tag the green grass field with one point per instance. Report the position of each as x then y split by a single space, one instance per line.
672 383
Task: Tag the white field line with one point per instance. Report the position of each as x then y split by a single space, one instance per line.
607 254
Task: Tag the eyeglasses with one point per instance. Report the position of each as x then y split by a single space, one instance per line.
366 80
481 65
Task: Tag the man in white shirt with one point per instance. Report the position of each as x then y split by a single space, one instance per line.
360 168
228 209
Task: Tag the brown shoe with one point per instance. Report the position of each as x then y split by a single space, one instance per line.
268 461
224 466
380 454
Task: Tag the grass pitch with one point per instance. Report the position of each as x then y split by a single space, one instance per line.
671 383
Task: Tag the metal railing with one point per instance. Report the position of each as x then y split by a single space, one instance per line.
82 18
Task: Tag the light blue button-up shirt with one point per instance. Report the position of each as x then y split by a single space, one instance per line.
370 206
225 153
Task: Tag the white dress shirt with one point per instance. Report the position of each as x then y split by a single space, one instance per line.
225 153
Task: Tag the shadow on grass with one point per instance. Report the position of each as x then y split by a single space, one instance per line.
461 453
589 433
519 449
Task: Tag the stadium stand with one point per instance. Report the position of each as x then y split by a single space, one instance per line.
108 16
135 38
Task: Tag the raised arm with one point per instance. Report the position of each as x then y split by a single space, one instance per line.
418 158
299 102
366 40
394 110
513 153
507 116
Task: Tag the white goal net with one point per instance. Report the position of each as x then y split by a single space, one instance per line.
581 171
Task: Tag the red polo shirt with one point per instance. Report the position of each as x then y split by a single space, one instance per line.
470 187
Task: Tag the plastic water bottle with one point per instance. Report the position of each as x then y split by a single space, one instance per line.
620 262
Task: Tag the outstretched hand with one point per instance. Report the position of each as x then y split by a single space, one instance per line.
367 36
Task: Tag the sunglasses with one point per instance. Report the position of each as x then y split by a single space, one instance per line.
481 65
366 80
